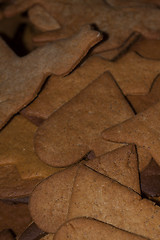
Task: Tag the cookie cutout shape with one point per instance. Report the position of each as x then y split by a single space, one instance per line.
42 19
16 148
93 195
142 102
142 130
59 90
127 161
108 20
87 228
14 216
74 130
18 87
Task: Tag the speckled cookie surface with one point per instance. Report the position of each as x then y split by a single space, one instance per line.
97 196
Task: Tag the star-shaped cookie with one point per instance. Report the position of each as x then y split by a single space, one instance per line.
142 102
142 130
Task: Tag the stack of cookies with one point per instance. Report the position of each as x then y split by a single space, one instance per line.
80 120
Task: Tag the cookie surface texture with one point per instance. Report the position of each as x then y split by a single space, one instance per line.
74 130
107 19
18 88
91 194
142 130
83 228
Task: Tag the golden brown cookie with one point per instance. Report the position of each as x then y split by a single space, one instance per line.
16 148
82 192
18 88
42 19
142 102
90 229
142 130
114 54
118 24
12 186
14 216
120 164
148 48
59 90
131 80
75 129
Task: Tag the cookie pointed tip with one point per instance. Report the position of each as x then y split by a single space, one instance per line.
107 134
89 29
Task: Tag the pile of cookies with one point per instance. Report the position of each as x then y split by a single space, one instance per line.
79 119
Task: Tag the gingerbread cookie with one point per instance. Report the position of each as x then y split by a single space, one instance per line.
114 54
87 228
18 88
120 164
16 148
42 19
12 186
59 90
75 129
106 18
142 130
148 48
142 102
82 192
131 81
